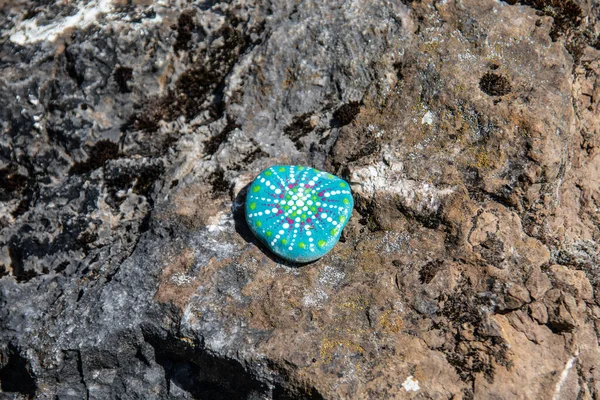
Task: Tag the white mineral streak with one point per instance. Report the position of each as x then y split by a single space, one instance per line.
563 377
381 178
411 384
28 31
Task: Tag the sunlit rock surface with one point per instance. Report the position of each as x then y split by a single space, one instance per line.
467 130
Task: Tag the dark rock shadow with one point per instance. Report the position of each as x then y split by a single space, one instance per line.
205 376
242 228
16 375
201 374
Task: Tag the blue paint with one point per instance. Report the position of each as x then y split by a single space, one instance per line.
298 212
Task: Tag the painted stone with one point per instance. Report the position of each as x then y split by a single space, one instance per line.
298 212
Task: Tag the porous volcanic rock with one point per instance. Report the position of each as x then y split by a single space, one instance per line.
468 130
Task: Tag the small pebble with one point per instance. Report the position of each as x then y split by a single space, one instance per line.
298 212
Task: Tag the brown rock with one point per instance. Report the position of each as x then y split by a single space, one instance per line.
565 312
538 283
519 293
575 279
538 312
538 363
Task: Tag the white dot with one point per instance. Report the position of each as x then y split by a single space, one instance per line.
309 202
267 212
276 201
305 208
323 215
277 191
318 203
310 213
274 210
281 232
286 226
294 197
334 222
299 203
289 248
329 219
259 213
292 180
290 203
297 226
310 239
297 219
308 233
327 194
262 180
311 183
277 236
272 187
268 183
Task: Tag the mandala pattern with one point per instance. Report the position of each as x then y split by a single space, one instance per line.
298 212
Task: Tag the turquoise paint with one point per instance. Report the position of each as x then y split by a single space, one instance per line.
298 212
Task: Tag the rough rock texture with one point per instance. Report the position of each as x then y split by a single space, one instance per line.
469 131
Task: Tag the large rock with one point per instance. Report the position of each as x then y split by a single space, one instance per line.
469 132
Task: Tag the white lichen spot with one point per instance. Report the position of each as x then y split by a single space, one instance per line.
427 118
315 298
180 279
330 276
411 384
219 222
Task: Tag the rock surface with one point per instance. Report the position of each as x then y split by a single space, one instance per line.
468 130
